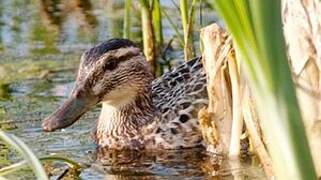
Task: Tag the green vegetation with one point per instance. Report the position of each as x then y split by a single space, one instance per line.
257 30
157 24
22 69
15 71
27 155
148 33
187 16
152 29
127 19
31 159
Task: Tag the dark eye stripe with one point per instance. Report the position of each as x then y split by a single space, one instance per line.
127 56
110 64
113 61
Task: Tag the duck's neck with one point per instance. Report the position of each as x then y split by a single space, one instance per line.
125 119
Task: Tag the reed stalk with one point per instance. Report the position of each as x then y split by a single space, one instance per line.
252 126
257 32
216 120
303 43
237 117
127 19
187 17
148 34
157 24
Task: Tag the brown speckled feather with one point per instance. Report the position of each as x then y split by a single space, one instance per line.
178 95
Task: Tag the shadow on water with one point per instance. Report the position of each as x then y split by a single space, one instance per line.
4 92
40 45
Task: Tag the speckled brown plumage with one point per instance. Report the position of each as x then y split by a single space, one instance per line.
138 111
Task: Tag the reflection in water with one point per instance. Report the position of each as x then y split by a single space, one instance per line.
1 25
86 7
55 12
69 18
168 164
56 26
159 163
47 26
116 24
13 26
4 92
51 11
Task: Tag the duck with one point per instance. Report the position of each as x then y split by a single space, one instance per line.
138 111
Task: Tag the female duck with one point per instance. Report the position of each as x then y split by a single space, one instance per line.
138 112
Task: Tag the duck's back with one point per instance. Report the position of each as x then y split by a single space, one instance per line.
178 95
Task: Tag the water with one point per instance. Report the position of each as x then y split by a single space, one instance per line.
40 46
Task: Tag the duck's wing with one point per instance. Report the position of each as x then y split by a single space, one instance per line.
178 95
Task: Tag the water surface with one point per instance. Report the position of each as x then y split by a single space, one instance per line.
40 45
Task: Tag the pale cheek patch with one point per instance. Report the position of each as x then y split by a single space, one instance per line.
120 96
121 52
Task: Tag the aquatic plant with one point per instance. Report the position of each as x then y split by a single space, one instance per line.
257 32
31 159
148 33
27 154
187 16
157 24
127 19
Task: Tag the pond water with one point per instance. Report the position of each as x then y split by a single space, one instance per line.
40 45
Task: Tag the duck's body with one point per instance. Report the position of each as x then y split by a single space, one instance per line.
170 121
137 111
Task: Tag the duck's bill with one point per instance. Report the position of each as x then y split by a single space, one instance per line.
66 114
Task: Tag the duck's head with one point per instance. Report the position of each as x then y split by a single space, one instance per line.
114 72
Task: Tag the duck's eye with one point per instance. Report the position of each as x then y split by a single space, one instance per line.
110 64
